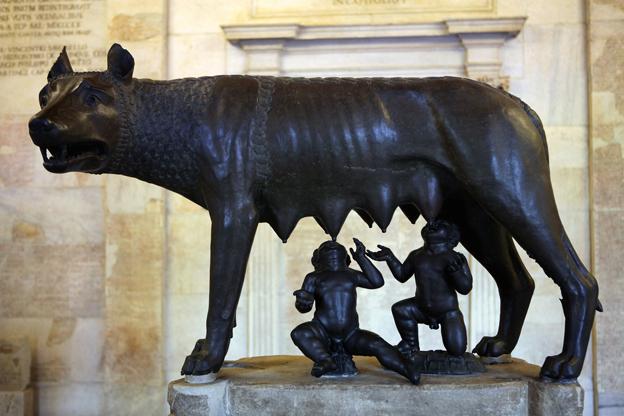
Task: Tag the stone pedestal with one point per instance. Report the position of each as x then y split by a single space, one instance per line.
282 385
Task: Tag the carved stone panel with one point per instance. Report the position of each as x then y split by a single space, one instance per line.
272 8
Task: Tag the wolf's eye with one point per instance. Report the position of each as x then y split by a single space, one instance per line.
92 100
43 100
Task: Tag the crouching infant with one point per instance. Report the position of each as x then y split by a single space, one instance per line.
334 331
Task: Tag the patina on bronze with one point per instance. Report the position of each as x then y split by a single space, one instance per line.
254 149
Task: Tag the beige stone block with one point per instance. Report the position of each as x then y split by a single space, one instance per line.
206 16
185 324
179 204
17 153
605 113
607 57
15 359
195 55
134 399
114 7
554 84
64 350
556 11
68 350
189 253
133 347
84 399
609 244
608 177
570 186
600 10
17 402
567 146
51 280
71 216
135 27
135 253
126 195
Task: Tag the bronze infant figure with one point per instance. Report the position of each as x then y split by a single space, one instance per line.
439 272
334 333
254 149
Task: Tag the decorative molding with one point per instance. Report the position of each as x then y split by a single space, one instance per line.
507 27
481 39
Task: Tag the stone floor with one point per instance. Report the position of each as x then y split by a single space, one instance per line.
282 385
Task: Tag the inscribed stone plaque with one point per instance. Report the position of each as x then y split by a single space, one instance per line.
32 34
271 8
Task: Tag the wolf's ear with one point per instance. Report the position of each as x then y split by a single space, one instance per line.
120 63
61 66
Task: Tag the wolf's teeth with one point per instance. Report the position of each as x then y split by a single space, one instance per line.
44 153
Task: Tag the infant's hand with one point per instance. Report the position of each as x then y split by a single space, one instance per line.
303 295
457 263
383 254
360 250
303 306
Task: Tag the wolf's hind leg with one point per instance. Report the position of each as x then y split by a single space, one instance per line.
494 248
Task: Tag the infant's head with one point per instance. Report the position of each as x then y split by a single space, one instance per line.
330 252
437 232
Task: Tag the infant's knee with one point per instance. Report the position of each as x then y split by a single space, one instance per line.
454 333
399 311
300 334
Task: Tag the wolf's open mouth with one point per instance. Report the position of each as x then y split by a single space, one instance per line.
57 158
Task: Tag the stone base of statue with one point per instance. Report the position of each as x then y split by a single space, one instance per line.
282 385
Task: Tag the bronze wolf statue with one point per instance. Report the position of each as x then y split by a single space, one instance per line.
254 149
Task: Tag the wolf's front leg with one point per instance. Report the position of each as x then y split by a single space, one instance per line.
233 230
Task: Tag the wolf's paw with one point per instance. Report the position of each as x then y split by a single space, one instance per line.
562 367
203 360
491 347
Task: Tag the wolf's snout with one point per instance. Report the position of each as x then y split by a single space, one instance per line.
37 125
41 129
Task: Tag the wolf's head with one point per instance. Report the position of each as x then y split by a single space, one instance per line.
79 123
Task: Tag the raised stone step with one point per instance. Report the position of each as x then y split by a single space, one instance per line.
282 385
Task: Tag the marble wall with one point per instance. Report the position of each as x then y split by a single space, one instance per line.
606 60
108 277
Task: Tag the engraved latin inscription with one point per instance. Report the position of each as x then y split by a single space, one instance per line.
32 32
272 8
